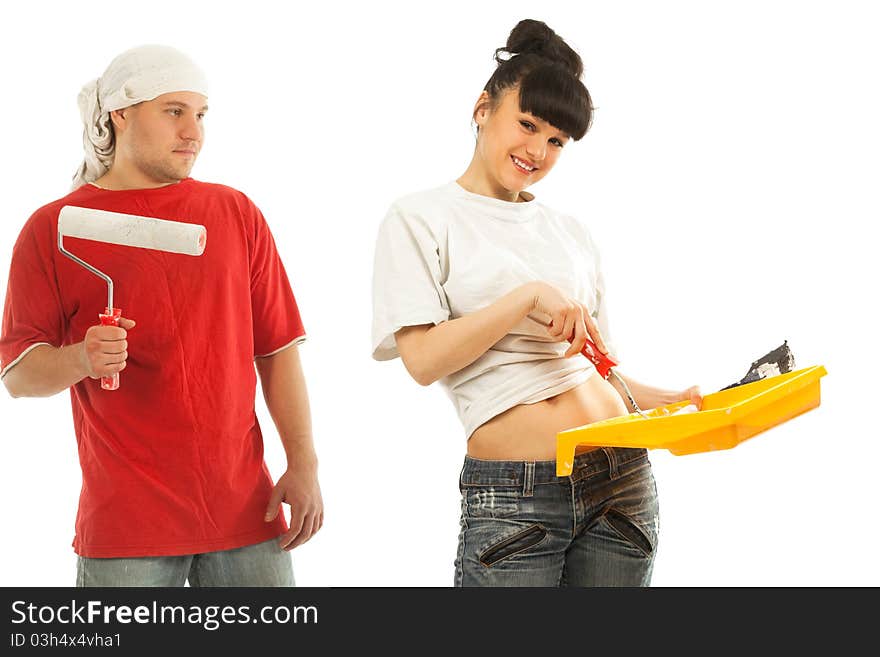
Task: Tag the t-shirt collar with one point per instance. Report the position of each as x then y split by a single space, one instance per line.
516 211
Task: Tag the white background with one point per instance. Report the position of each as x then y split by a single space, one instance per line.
730 179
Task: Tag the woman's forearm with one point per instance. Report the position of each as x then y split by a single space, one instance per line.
646 396
430 353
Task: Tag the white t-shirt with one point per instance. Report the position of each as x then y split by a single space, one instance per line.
447 252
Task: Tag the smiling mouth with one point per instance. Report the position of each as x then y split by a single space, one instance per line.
523 166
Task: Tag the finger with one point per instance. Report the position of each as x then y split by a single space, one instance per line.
595 334
313 529
579 339
113 360
108 333
571 317
296 524
305 534
274 504
285 539
127 324
117 367
316 525
107 365
586 311
117 359
296 542
114 347
557 324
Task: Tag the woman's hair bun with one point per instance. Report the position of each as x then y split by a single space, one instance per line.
547 75
535 37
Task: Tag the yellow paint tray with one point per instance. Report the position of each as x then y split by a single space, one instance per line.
726 418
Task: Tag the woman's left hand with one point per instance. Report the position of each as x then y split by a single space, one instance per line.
693 395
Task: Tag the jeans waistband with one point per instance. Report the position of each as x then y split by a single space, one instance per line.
477 472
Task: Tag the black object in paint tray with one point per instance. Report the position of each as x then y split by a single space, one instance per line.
778 361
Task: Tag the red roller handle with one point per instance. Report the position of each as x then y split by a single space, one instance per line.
602 362
110 319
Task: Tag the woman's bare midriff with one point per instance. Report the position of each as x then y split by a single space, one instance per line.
528 432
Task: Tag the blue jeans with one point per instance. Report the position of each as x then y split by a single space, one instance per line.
521 525
263 564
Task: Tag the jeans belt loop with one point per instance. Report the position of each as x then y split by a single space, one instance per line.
613 469
529 479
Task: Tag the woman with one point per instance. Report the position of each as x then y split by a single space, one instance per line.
479 286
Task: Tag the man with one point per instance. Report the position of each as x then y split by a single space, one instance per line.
175 486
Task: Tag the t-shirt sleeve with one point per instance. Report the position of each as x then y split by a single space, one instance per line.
276 319
32 311
407 280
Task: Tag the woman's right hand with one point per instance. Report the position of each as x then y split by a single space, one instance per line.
569 318
105 349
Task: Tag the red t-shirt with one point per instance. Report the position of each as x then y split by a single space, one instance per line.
172 461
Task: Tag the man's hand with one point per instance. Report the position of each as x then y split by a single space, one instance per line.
105 349
298 487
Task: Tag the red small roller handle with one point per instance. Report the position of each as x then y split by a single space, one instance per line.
110 319
602 362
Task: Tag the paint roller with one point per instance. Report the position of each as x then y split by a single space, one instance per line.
125 230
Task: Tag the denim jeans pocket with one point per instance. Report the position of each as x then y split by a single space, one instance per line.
508 546
628 528
491 501
632 510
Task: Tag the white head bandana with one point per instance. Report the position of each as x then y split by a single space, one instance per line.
135 76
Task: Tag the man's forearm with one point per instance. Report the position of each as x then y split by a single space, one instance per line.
284 389
46 371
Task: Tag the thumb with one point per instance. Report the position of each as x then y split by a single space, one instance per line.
274 504
127 324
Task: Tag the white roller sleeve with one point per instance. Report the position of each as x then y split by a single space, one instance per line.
132 230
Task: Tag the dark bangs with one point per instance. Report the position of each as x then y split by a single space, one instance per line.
549 92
